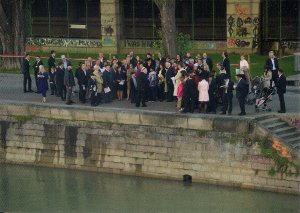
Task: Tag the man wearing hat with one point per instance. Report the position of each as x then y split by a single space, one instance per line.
65 61
241 93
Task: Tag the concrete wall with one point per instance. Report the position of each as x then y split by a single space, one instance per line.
160 145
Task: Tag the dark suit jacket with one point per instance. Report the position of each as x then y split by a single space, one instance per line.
51 63
83 78
25 67
281 85
269 65
226 65
189 89
60 76
169 74
36 66
142 81
209 63
230 87
241 89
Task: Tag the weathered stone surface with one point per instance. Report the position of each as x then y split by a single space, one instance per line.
142 144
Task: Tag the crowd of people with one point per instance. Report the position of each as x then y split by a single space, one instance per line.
193 82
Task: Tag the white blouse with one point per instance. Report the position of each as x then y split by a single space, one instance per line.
244 63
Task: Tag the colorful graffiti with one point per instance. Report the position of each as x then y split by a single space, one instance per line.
242 28
241 11
281 149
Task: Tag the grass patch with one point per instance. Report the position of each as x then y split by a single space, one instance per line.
282 164
202 133
23 118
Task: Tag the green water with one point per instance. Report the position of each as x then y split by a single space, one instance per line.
33 189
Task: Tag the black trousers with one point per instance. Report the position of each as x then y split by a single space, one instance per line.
188 104
274 76
282 102
36 81
242 105
27 79
170 92
227 102
141 96
161 92
212 105
82 93
62 91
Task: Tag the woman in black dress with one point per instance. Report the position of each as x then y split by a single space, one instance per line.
121 80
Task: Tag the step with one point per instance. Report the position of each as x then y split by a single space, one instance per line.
293 140
290 135
284 130
269 121
277 125
296 146
265 117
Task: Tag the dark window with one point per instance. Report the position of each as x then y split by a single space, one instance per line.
54 21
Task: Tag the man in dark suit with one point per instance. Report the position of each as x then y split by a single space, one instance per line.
107 83
208 61
281 89
83 77
227 87
142 82
26 74
272 65
241 92
189 95
36 66
60 85
51 60
169 75
226 63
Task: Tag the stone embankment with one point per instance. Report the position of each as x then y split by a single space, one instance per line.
212 149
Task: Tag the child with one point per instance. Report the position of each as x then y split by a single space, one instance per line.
152 84
52 75
92 85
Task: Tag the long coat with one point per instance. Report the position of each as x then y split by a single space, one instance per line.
203 87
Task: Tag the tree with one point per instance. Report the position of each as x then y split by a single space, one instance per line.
12 34
168 25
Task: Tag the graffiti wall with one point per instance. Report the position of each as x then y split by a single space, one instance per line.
35 43
242 24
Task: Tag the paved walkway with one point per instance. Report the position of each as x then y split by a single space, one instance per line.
11 91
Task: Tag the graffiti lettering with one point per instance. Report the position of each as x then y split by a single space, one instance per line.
230 22
242 31
241 43
61 42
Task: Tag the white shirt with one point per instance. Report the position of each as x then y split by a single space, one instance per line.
273 63
244 63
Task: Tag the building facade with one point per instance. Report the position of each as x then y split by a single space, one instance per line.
118 26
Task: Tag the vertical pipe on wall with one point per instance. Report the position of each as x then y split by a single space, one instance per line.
133 19
49 19
68 20
280 26
193 21
153 23
213 1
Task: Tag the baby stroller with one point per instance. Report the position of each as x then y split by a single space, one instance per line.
261 104
256 90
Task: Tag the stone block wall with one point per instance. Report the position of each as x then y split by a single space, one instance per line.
141 144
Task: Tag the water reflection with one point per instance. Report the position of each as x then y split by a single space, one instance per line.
53 190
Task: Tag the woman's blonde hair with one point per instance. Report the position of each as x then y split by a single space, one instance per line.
41 68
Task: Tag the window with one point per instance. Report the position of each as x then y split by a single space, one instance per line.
52 18
205 19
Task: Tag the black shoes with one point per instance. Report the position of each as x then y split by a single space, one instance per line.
281 111
242 114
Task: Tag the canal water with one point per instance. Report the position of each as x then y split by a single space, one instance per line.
34 189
